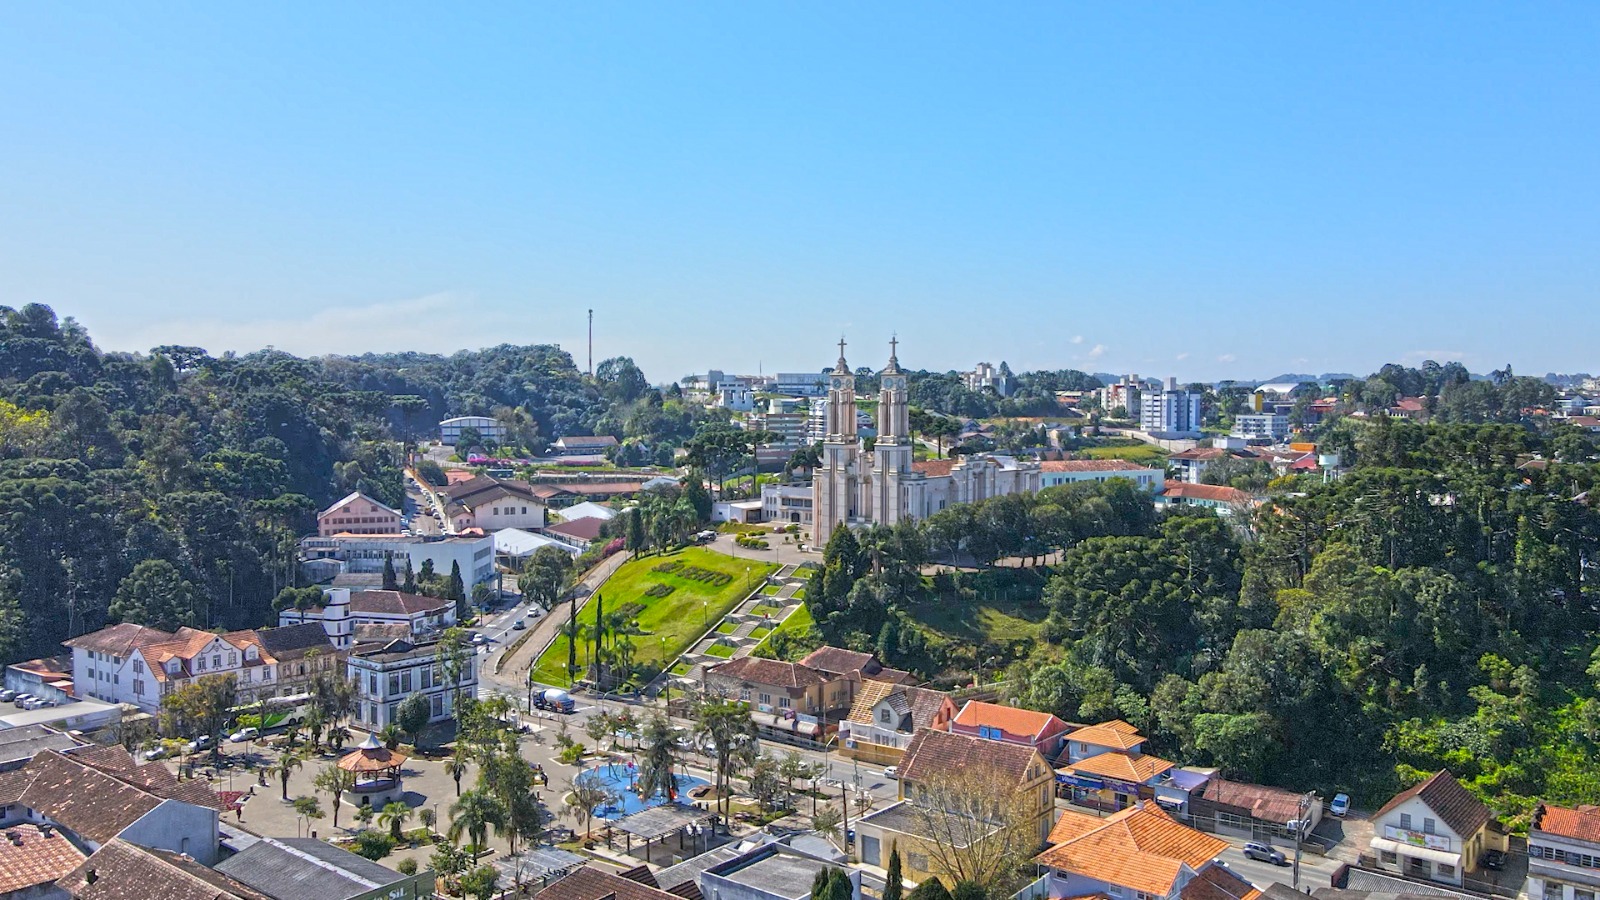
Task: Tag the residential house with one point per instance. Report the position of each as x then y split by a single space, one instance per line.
121 870
357 513
387 673
33 859
323 558
589 883
312 869
488 429
1192 462
100 794
1140 853
932 757
884 718
1415 408
1434 830
1225 500
853 667
584 445
1252 810
993 722
1105 767
1113 736
495 503
420 615
579 532
49 677
786 699
1564 853
1072 471
771 871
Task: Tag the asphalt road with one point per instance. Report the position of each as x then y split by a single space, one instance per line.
1315 871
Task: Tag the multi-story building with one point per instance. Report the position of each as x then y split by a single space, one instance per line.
1564 853
799 384
359 514
1170 410
785 698
886 716
385 674
1069 471
791 428
495 503
487 428
322 558
418 615
1270 427
1040 731
986 377
1125 392
786 503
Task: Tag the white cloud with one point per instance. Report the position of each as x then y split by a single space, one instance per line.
1227 358
1098 351
1182 357
436 323
1077 339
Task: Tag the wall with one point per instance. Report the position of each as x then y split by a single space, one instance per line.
179 827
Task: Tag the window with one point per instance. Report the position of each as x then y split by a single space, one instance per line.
1389 857
1405 821
216 660
405 681
233 657
783 702
766 699
883 716
1446 870
138 666
394 683
438 704
1428 825
200 664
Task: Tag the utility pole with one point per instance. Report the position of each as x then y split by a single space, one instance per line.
1304 808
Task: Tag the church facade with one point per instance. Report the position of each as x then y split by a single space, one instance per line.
855 486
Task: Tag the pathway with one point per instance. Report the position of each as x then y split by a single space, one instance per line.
513 669
742 630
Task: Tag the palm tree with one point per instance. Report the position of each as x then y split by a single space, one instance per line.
288 764
472 814
337 736
335 781
456 765
427 817
658 761
730 731
394 814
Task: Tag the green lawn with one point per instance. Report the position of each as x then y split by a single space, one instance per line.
988 620
720 650
765 610
1139 453
799 620
671 623
760 631
770 588
726 628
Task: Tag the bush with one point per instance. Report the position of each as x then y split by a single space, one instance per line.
659 590
407 866
572 754
374 845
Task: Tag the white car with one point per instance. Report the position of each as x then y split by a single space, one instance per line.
891 772
155 753
244 734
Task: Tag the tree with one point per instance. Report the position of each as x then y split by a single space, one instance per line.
659 760
336 782
457 764
827 823
391 581
730 731
453 657
480 883
307 808
635 540
457 591
930 889
288 763
394 814
832 884
966 890
545 574
201 707
586 794
894 881
374 845
473 813
980 825
409 585
156 595
412 715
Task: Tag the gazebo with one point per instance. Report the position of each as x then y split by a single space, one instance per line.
377 771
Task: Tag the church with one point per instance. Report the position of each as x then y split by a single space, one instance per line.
855 486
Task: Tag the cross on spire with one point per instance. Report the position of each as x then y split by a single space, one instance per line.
841 346
894 343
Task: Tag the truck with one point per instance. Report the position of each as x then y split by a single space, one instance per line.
553 700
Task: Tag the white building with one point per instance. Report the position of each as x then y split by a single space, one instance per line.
1563 853
854 486
385 674
799 384
487 428
1435 831
736 397
324 557
1071 471
514 544
1170 411
495 503
1269 427
1125 393
345 612
985 376
786 503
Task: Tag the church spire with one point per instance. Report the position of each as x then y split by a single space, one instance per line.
841 367
893 368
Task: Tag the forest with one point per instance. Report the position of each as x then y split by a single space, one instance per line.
1436 607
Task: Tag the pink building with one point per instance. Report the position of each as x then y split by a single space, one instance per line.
358 514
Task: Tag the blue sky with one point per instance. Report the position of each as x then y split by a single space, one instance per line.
1204 190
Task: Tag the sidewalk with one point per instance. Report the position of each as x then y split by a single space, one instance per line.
514 670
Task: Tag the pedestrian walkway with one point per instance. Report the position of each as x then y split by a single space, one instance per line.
741 631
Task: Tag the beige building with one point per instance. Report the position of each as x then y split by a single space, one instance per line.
358 514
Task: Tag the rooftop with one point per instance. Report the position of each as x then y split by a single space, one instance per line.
935 754
773 870
26 741
590 883
30 855
124 871
1214 492
839 661
1269 804
587 529
306 869
395 603
1116 734
1580 824
1443 794
1131 768
1141 848
1091 465
977 713
777 673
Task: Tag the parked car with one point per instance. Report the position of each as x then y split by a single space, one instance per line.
1340 806
20 701
1493 859
156 752
32 703
7 696
245 734
891 772
1262 852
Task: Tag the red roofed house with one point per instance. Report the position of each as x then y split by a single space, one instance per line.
580 532
785 698
1212 496
1435 830
1250 810
993 722
33 859
1070 471
1105 767
853 667
1564 853
1140 852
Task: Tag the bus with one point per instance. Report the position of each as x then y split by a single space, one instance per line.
275 712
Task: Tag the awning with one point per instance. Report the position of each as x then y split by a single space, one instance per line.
1412 850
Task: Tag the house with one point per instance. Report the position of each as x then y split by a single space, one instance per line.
1113 736
588 883
420 615
323 558
359 514
789 503
771 871
1563 853
49 677
884 718
98 795
1192 462
494 503
134 664
1140 852
785 698
584 445
1072 471
853 667
1409 408
1434 830
993 722
32 859
122 870
579 532
512 545
311 869
488 429
1105 768
1211 496
933 757
1251 810
387 673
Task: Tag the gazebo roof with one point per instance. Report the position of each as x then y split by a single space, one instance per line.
372 756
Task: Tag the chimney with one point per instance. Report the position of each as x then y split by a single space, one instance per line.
91 877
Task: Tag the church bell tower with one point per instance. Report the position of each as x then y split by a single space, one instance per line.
832 487
892 453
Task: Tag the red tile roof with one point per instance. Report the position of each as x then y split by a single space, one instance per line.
118 640
1140 847
1581 824
592 884
1218 883
28 858
1131 768
583 529
1269 804
1214 492
395 603
773 672
1090 465
1443 794
839 661
1116 734
934 468
1032 723
935 754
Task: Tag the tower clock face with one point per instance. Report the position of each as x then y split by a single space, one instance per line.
838 383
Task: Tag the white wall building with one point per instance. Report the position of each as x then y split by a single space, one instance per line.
1261 427
799 384
359 514
387 674
1070 471
984 376
488 428
736 397
1170 411
365 553
344 611
1563 853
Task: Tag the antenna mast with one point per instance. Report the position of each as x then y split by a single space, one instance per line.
591 343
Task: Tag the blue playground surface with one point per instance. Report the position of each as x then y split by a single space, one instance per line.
620 778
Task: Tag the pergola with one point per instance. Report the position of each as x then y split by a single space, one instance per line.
376 767
541 864
659 823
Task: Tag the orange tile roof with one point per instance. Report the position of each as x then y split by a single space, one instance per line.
1218 883
1008 718
934 467
1140 847
1135 768
1581 824
1116 734
1090 465
29 857
1214 492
